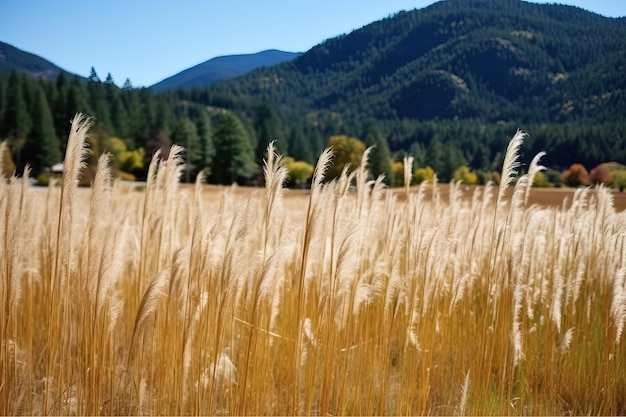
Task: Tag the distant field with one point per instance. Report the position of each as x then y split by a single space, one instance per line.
546 197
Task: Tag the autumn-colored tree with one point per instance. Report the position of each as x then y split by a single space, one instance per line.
493 176
125 160
601 175
159 141
299 171
619 180
575 176
465 175
423 174
348 151
7 166
541 180
397 174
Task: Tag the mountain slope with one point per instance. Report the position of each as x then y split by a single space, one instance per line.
222 68
12 58
489 60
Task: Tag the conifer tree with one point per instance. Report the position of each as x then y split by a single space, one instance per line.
205 133
42 148
93 76
379 157
266 131
234 155
299 147
17 121
186 135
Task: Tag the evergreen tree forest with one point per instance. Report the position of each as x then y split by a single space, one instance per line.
129 123
132 123
448 84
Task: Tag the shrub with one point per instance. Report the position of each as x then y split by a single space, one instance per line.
397 174
423 174
600 175
541 180
493 176
347 152
465 175
43 179
554 177
7 166
576 176
619 180
300 172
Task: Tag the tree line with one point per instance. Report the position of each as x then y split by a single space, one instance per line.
227 138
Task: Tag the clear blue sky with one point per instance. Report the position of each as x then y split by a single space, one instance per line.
149 40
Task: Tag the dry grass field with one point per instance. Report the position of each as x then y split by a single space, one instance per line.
435 300
543 197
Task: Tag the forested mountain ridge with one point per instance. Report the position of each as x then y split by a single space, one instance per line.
222 68
450 84
12 58
476 68
487 60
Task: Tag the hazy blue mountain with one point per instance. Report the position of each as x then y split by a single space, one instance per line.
12 58
223 68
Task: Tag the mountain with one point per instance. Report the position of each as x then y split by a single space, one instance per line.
449 84
491 61
222 68
12 58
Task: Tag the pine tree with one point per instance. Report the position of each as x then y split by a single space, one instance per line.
17 121
77 99
109 79
42 148
234 155
3 101
119 117
93 76
98 103
127 85
186 135
266 130
205 135
299 148
379 157
59 107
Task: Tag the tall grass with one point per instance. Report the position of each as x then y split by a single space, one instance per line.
174 301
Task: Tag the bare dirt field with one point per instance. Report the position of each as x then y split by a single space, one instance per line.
554 197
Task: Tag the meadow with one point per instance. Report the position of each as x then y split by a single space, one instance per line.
430 300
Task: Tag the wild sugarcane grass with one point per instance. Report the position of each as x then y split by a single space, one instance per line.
174 301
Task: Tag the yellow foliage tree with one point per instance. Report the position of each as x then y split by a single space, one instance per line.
7 166
299 171
348 151
426 173
397 174
130 161
540 180
465 175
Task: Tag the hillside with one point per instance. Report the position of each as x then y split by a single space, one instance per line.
486 59
222 68
12 58
449 84
483 61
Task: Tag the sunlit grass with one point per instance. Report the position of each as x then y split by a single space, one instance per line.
174 301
